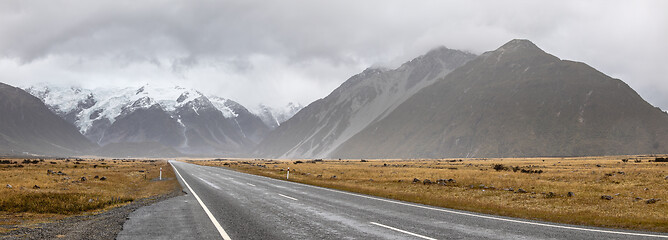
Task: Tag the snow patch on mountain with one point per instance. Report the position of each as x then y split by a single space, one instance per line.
222 105
274 117
113 103
60 99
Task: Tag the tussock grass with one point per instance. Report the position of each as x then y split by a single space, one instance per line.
61 203
492 185
50 189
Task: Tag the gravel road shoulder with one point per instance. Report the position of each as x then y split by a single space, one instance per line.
105 225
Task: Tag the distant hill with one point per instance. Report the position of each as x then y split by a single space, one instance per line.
27 126
516 101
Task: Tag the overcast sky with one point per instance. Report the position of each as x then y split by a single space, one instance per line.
275 52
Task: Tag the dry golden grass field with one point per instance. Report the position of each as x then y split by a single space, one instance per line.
34 190
618 191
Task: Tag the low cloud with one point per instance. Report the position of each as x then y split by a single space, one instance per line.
280 51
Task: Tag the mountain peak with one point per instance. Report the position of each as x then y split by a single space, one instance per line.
519 51
519 45
515 101
440 50
437 50
441 55
375 70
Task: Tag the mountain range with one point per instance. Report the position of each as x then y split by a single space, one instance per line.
175 120
515 101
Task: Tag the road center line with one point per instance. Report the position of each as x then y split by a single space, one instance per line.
209 183
291 198
250 184
403 231
468 214
220 229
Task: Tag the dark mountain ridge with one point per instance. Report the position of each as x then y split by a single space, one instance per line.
517 101
27 126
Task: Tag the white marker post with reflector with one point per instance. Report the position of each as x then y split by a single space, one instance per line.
288 177
160 174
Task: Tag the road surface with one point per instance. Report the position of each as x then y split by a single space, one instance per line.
224 204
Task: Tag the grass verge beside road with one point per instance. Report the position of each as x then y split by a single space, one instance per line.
629 192
42 190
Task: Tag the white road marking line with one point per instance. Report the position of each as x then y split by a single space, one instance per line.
403 231
498 218
469 214
209 183
220 229
250 184
291 198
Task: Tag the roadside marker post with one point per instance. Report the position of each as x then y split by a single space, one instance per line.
160 174
288 177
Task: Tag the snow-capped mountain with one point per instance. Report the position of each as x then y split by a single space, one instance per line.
252 126
177 117
273 117
325 124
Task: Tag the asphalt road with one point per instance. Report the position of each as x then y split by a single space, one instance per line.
224 204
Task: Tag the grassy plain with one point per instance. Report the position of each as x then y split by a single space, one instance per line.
34 190
493 185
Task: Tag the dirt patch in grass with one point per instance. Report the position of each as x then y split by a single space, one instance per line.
34 191
564 190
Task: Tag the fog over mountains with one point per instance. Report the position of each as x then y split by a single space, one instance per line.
514 101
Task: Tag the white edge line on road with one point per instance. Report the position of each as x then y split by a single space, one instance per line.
469 214
403 231
498 218
213 219
250 184
291 198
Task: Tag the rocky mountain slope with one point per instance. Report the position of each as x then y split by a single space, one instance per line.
325 124
27 126
516 101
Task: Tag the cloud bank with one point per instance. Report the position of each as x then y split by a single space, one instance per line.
275 52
